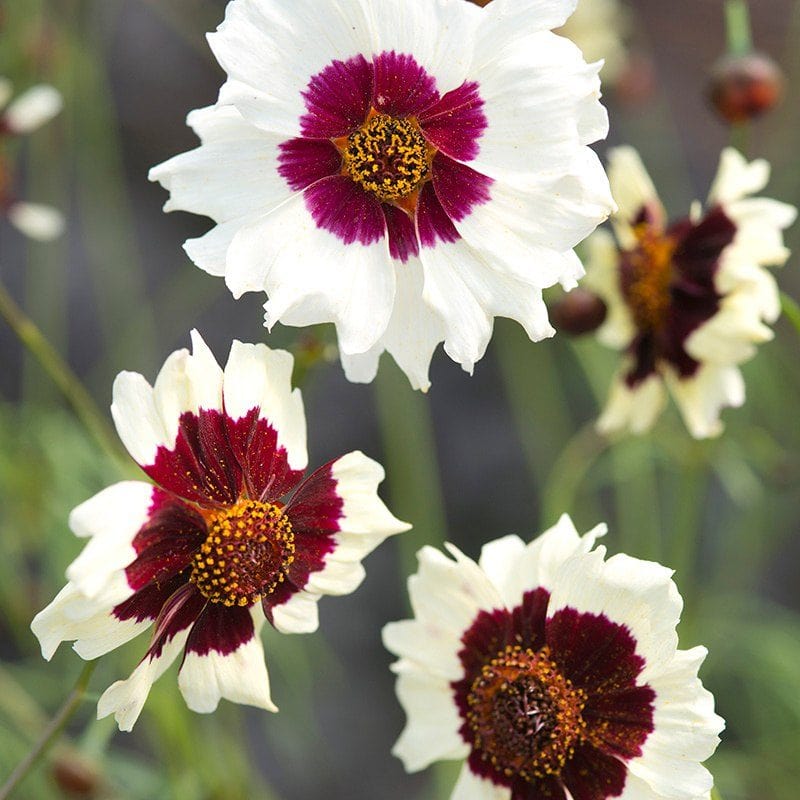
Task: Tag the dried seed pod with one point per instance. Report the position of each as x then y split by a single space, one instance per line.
745 87
578 312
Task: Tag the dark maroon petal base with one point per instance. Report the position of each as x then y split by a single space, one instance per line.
220 628
693 296
338 100
599 657
215 458
314 511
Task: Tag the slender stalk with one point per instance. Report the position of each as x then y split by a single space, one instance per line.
64 378
411 463
51 732
740 43
737 26
791 310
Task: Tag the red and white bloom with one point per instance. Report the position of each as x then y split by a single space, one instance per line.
32 109
555 674
688 300
231 534
406 169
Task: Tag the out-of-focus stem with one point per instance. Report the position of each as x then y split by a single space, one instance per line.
791 310
51 732
737 26
411 463
64 378
740 42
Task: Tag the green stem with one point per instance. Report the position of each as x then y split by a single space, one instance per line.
737 26
570 469
64 378
51 732
791 310
411 463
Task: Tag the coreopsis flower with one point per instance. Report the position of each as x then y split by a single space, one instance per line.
553 673
405 169
32 109
687 300
230 535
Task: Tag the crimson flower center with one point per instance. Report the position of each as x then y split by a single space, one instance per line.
388 156
646 285
245 555
525 716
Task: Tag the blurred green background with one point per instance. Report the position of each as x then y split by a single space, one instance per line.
504 451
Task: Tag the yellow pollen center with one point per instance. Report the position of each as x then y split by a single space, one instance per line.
245 555
388 156
525 716
647 274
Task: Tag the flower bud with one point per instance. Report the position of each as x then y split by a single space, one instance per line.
76 776
578 312
744 87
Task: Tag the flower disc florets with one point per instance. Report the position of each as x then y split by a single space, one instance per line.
524 714
646 274
245 555
388 156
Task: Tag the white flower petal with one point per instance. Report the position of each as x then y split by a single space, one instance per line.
311 276
637 594
73 616
527 15
271 49
633 190
471 787
450 593
515 567
603 278
701 397
438 33
530 224
210 251
125 699
257 377
111 518
412 335
541 102
240 676
37 221
431 731
736 178
33 108
364 523
148 417
467 291
633 409
730 336
299 614
426 644
232 174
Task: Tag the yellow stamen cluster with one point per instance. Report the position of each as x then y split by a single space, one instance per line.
388 156
245 555
647 277
525 716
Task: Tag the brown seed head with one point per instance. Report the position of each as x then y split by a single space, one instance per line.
745 87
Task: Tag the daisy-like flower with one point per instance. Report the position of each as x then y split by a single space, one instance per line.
688 300
217 545
555 674
32 109
406 169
